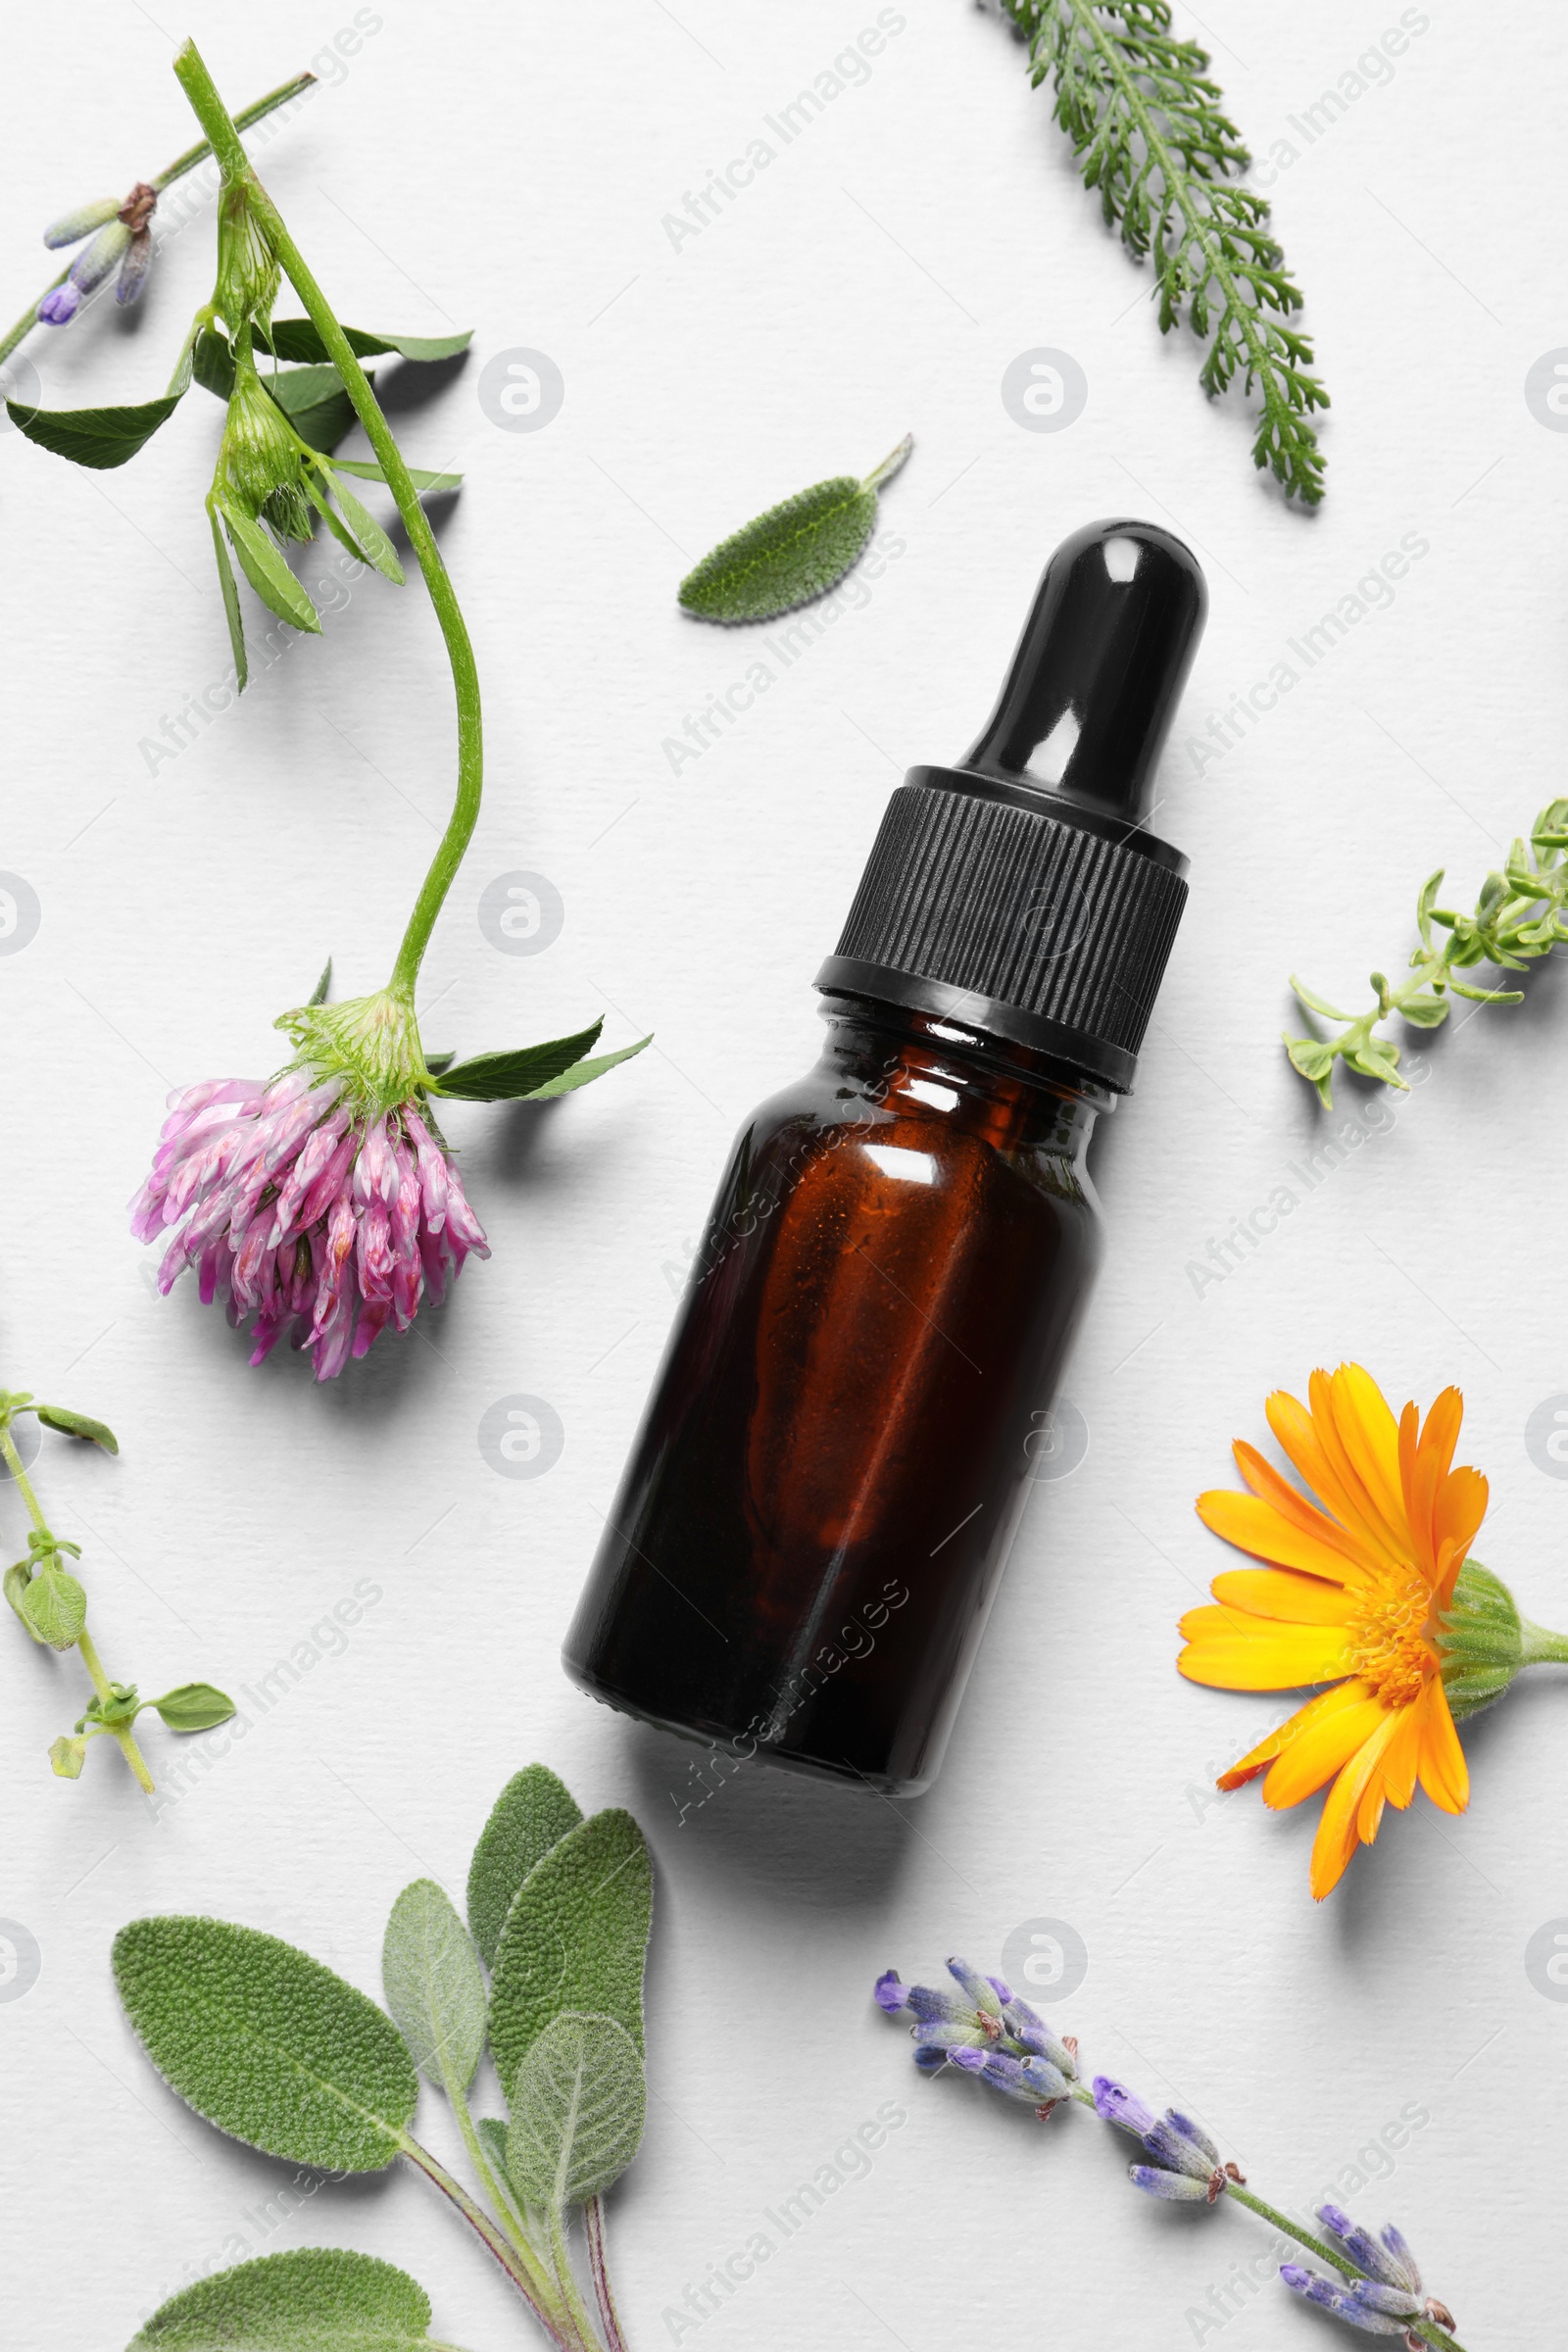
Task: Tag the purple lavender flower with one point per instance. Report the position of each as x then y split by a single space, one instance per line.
1339 2299
890 1993
982 2023
1115 2103
120 239
1031 2079
1175 2187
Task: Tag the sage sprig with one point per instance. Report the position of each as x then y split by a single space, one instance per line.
1519 916
280 2052
1149 129
798 550
51 1601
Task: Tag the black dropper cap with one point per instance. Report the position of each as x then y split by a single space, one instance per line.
1020 893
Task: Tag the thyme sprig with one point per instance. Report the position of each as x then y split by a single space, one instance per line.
1147 126
52 1604
1519 917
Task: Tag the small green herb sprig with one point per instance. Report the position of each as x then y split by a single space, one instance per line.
1147 126
276 476
1519 917
798 550
50 1600
277 2051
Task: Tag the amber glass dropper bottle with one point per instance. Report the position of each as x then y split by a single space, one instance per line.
820 1503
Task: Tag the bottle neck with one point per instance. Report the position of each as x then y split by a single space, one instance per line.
1012 1093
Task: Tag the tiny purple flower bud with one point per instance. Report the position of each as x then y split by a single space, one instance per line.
972 2060
1002 1992
71 228
930 2062
134 268
59 305
105 253
1045 2081
1378 2297
1115 2103
1401 2254
1336 2221
1177 2189
944 2034
930 2001
1182 2149
1333 2297
977 1986
1391 2261
1026 2026
890 1992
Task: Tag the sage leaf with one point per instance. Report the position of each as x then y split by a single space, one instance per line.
265 568
533 1812
78 1425
317 2299
420 480
583 1073
102 438
193 1707
796 551
231 611
300 339
55 1606
434 1986
374 542
493 2132
507 1077
576 1938
266 2042
577 2112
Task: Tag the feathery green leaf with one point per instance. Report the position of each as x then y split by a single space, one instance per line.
1150 132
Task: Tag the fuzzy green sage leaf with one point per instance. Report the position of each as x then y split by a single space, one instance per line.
100 438
316 2300
55 1606
533 1812
434 1986
576 1938
796 551
193 1707
78 1425
267 2044
577 2112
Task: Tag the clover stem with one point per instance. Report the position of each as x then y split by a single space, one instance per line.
166 178
519 2267
236 166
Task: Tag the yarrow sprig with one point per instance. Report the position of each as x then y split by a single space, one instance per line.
1519 917
1147 126
325 1201
987 2030
52 1604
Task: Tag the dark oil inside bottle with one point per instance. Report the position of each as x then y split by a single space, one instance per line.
819 1504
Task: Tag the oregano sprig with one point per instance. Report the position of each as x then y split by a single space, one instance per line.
1149 129
279 2052
1519 916
52 1604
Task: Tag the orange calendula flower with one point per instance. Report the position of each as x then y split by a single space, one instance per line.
1370 1591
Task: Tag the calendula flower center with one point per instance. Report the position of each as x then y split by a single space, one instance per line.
1389 1642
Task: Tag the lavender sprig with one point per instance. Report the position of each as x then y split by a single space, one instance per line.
984 2030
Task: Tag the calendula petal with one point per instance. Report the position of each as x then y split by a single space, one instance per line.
1298 1434
1353 1450
1263 1755
1262 1655
1457 1512
1322 1747
1444 1774
1255 1526
1365 1421
1433 1454
1397 1766
1339 1830
1282 1593
1266 1481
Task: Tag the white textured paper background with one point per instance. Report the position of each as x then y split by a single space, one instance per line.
511 168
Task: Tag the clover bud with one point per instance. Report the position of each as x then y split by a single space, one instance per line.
260 458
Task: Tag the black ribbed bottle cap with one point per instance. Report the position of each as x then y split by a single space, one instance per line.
1020 893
